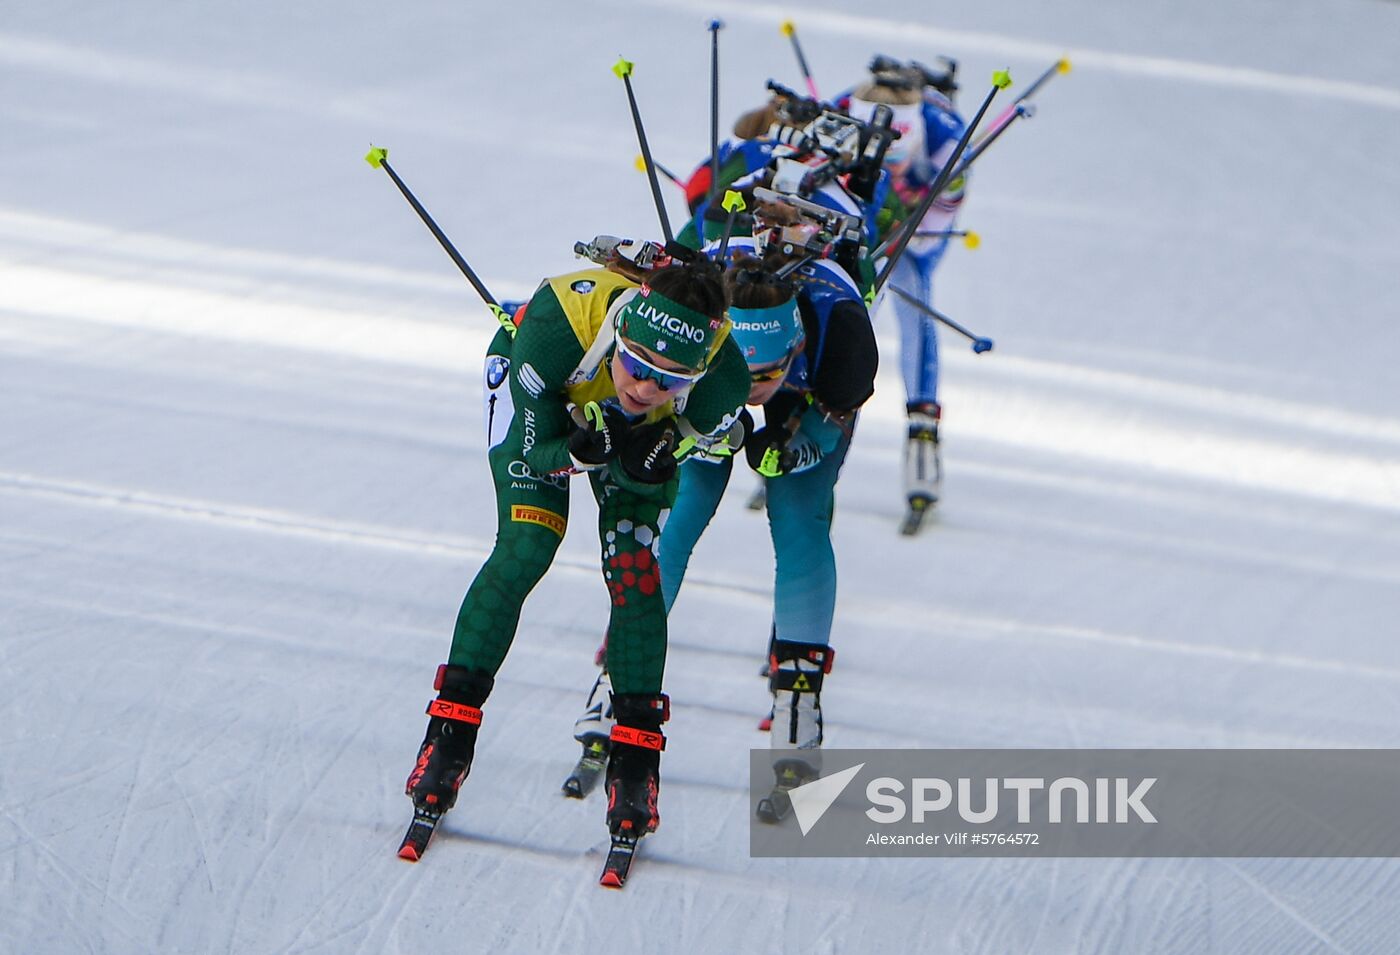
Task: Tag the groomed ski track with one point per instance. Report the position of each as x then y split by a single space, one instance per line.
242 487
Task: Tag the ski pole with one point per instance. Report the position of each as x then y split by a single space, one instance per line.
715 27
1007 115
979 344
623 69
970 239
733 204
790 31
1000 80
379 159
1061 65
1012 113
978 148
641 165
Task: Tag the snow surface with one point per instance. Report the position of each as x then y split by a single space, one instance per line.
242 488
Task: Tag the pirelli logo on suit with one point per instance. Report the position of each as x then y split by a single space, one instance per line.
525 514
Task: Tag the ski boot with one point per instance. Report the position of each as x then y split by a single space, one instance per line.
592 729
923 468
796 671
446 753
634 763
634 779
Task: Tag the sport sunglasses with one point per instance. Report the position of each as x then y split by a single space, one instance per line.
643 370
770 374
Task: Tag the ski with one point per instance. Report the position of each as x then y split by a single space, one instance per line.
619 861
920 508
420 831
589 769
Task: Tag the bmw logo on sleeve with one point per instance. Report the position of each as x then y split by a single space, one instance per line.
497 368
583 286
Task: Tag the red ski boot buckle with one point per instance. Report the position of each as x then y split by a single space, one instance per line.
455 711
646 739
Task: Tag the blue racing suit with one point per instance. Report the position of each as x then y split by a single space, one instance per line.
833 377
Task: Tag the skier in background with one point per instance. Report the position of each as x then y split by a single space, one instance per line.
929 127
756 134
604 378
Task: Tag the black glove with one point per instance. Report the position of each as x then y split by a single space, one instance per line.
768 452
601 437
646 457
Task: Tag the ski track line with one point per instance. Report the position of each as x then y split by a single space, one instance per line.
201 844
1213 401
1002 517
855 692
134 791
368 335
1141 490
1043 916
577 912
1188 547
747 716
76 880
458 548
392 907
1173 916
1106 910
849 26
964 625
115 251
293 524
447 439
383 921
1285 909
335 893
1170 449
733 712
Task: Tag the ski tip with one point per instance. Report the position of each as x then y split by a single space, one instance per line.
971 239
622 68
409 853
1001 79
376 156
788 28
1063 66
572 789
765 724
610 880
